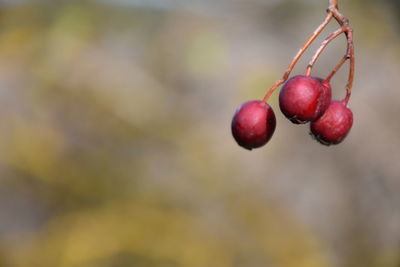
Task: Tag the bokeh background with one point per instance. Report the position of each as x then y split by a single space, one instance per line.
115 143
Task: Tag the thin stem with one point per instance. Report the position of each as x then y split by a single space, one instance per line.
324 44
333 7
298 55
333 3
333 12
344 23
344 59
350 54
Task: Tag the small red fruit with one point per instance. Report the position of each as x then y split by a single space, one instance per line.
334 125
253 124
304 98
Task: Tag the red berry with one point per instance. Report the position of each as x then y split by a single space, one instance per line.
333 126
253 124
304 98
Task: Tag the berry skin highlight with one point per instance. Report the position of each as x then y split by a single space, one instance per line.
304 98
334 125
253 124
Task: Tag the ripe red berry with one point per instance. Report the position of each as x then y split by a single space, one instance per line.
253 124
334 125
304 98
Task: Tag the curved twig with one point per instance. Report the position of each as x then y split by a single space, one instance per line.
285 76
324 44
333 12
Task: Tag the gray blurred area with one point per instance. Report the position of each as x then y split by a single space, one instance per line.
115 142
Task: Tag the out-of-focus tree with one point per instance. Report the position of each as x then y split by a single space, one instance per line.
116 149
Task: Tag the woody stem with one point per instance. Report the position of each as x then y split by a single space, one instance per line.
298 55
324 44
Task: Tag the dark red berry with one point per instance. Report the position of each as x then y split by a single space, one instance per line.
334 125
253 124
304 98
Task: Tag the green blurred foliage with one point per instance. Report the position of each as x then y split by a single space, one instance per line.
115 143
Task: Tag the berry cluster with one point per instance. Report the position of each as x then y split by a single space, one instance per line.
303 98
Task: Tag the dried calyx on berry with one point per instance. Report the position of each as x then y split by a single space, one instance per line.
303 98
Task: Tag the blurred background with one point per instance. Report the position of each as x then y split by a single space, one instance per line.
115 143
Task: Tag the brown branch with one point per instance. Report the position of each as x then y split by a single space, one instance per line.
333 12
324 44
285 76
350 55
338 66
344 23
333 3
